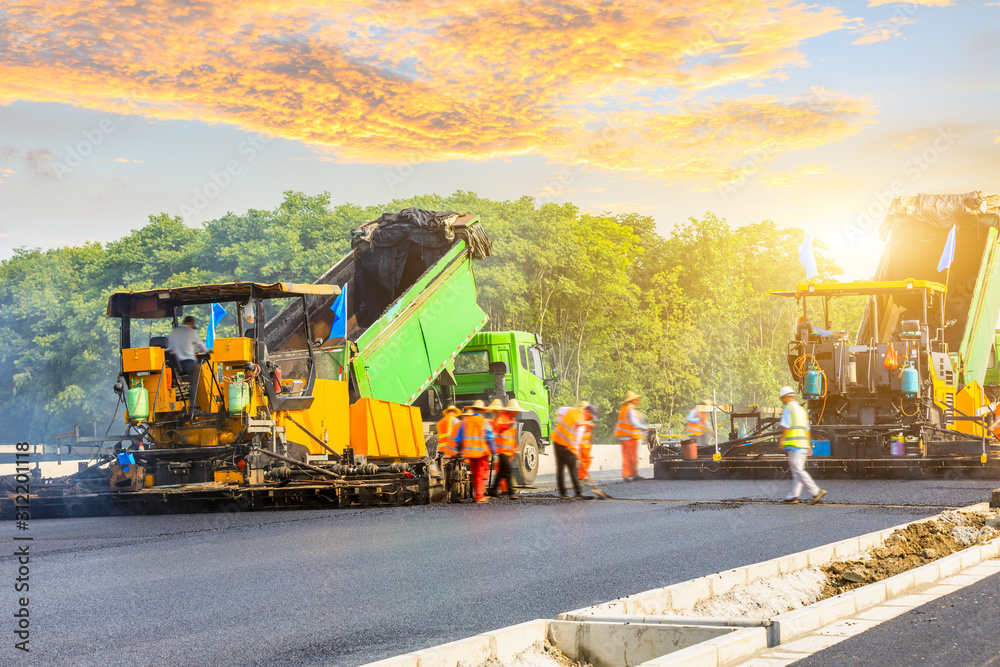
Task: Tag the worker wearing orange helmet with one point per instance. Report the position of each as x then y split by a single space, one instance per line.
505 428
568 435
474 441
629 430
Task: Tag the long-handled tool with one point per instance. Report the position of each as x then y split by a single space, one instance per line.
603 495
489 482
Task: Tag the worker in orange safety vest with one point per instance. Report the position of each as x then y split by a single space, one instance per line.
446 442
505 430
446 430
629 430
568 436
586 444
474 441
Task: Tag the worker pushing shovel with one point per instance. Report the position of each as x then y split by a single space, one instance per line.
567 436
586 443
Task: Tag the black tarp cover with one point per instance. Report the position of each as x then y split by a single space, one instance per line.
395 249
943 210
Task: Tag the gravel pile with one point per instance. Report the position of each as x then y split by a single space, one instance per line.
907 548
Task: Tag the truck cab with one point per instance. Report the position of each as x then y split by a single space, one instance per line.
506 365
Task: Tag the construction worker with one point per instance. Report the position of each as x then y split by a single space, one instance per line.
697 423
185 344
446 442
629 430
995 426
474 441
585 447
568 436
796 442
505 430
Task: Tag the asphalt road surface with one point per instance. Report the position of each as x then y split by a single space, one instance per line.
351 586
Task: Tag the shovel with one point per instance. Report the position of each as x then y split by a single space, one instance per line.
596 491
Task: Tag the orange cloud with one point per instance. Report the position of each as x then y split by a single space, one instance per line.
726 141
392 80
887 30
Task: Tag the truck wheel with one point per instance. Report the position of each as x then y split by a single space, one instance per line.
527 459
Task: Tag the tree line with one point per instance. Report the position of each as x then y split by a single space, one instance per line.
676 317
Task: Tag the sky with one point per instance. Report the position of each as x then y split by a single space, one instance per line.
810 115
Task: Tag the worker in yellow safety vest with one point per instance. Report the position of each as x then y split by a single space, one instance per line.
796 442
568 435
474 441
629 430
446 442
505 429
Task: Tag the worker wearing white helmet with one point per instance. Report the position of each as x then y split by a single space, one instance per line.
797 444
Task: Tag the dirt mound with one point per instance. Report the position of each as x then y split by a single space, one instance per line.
907 548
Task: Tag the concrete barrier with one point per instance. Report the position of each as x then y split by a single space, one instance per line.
626 644
606 457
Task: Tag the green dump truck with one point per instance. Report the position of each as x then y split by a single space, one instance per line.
519 365
413 327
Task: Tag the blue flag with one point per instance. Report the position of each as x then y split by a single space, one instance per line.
218 312
339 327
807 258
948 254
